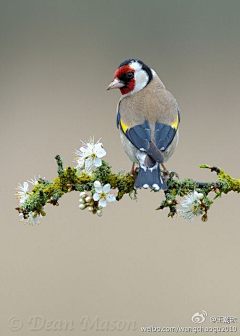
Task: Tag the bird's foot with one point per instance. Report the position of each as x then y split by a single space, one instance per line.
167 174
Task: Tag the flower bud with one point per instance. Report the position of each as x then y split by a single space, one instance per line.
81 200
83 194
89 199
99 213
90 209
82 206
200 196
204 217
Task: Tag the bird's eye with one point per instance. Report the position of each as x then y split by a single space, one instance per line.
130 75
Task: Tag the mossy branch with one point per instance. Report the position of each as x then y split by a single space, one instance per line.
70 179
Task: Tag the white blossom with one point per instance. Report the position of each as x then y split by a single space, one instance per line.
102 194
23 189
89 155
22 192
34 181
32 218
191 206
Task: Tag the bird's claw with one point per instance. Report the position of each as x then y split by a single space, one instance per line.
168 174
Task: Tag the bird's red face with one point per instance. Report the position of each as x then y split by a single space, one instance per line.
123 79
126 75
131 76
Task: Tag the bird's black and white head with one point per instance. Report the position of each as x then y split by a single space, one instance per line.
131 76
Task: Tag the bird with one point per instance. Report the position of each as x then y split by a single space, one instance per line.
148 118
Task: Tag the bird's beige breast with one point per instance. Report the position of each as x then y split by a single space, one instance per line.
154 103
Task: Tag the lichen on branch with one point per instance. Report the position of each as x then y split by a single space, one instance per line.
98 186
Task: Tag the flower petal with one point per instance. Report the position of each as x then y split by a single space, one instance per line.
87 150
97 162
80 163
98 187
96 197
102 202
23 198
99 150
89 163
83 152
97 184
111 198
33 219
106 188
25 186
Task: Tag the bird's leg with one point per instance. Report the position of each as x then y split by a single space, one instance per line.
133 171
163 165
166 174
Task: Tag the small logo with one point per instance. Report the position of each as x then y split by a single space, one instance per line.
199 317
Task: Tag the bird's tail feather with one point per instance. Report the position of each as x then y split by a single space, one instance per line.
150 178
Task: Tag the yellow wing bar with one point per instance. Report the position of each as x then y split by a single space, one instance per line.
124 126
175 124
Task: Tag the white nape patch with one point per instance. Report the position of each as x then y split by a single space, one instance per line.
154 73
141 80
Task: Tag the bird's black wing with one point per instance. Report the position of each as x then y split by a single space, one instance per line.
140 137
164 134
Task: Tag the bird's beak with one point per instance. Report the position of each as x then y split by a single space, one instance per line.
115 84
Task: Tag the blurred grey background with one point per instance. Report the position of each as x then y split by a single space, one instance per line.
134 263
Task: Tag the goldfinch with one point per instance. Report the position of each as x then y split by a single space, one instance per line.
148 117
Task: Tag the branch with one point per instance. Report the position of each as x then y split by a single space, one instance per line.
94 186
